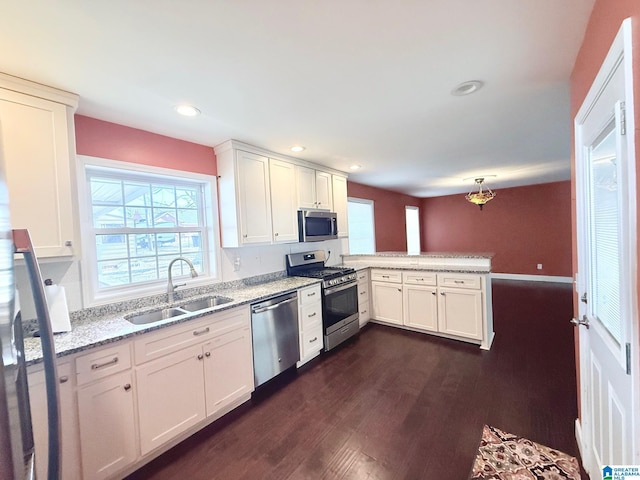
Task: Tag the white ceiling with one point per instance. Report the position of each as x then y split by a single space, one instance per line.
363 82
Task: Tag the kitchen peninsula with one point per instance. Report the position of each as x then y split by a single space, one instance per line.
444 294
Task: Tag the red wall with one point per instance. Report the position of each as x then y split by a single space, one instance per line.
101 139
522 227
389 215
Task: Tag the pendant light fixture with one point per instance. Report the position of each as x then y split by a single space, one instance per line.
481 196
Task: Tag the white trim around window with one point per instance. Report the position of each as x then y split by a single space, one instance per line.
207 233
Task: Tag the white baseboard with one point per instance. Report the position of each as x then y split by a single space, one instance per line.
581 445
531 278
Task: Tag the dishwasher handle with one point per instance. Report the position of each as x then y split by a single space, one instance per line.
274 306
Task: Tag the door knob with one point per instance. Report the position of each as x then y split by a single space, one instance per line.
583 321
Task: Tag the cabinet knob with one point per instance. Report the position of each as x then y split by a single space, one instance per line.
313 339
207 354
433 293
245 235
399 289
442 293
127 387
276 234
200 357
68 243
63 379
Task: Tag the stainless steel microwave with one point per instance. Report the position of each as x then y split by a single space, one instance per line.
315 226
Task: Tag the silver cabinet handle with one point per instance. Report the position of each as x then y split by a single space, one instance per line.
96 366
201 332
385 276
312 315
63 379
458 281
127 387
311 294
313 339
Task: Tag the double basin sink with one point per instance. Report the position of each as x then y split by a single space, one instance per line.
186 308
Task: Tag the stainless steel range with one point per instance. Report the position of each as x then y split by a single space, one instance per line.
339 294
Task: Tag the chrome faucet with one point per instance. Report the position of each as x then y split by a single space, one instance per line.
171 288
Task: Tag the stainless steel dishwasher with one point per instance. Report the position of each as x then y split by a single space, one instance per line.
274 323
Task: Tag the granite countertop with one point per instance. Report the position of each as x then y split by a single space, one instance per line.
422 254
479 263
94 327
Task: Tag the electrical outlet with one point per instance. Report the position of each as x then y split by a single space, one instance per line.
236 263
539 266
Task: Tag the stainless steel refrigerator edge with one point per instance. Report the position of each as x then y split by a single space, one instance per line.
274 324
17 452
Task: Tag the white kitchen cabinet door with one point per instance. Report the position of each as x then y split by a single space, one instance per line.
228 369
421 307
387 302
324 190
37 140
306 187
460 312
253 197
340 205
284 208
70 450
170 396
107 426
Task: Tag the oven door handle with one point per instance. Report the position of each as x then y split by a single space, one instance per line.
329 291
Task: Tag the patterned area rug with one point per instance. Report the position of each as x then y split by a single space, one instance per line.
503 456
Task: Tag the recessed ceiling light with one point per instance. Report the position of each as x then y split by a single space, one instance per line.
298 148
355 167
187 110
467 88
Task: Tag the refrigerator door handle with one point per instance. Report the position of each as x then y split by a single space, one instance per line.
23 245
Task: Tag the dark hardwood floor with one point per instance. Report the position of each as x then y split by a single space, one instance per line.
395 404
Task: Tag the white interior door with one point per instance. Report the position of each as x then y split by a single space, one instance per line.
607 259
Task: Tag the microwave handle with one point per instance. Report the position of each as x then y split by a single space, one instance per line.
334 226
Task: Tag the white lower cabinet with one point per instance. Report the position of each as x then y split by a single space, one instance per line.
228 369
107 426
310 323
70 454
364 304
460 313
179 390
420 307
170 396
456 305
387 302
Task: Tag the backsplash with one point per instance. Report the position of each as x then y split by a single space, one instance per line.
254 264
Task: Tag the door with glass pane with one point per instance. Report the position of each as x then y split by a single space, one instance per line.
606 284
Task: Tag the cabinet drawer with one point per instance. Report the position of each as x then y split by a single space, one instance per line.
172 339
458 280
392 276
102 363
310 314
312 341
309 295
419 278
363 276
363 292
364 311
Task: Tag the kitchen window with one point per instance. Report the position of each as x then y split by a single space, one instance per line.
362 238
138 219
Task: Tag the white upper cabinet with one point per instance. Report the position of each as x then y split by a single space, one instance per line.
314 187
340 206
284 209
245 199
38 143
261 192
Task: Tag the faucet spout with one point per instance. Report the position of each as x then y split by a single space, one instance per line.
171 288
